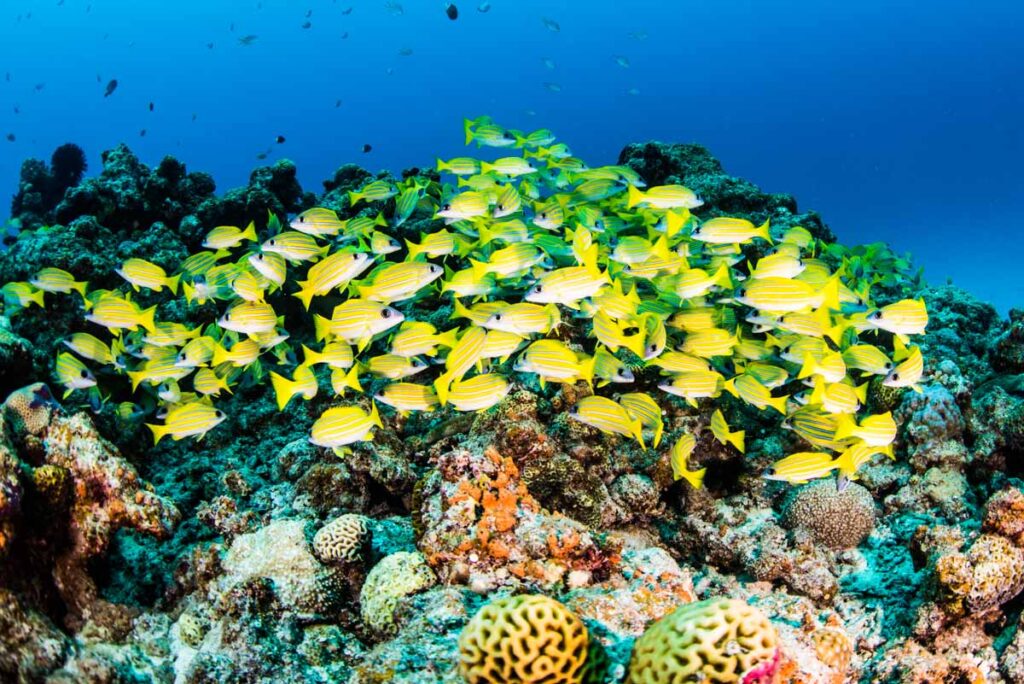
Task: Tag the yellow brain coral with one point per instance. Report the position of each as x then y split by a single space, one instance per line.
342 539
523 640
717 641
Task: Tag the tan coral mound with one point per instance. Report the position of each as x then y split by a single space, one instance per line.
523 640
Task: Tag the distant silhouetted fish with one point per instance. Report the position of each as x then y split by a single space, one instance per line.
452 11
10 137
111 87
483 7
347 10
307 24
551 24
367 148
151 106
247 40
280 139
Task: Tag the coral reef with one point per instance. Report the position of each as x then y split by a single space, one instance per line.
255 556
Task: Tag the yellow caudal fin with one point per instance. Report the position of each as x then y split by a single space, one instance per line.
172 283
375 416
763 231
147 319
158 432
305 293
414 249
220 355
633 197
730 387
448 338
695 477
441 387
321 327
845 426
809 368
659 430
37 297
190 292
722 277
900 350
80 287
480 268
779 404
249 233
354 197
467 126
136 377
587 370
674 222
486 167
284 389
737 440
634 343
830 293
310 357
862 393
660 248
637 428
351 379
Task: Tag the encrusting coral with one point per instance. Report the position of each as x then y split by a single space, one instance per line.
388 582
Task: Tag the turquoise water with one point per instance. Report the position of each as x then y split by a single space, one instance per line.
897 124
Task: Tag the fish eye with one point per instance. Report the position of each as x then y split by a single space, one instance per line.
501 207
652 347
85 373
446 207
543 214
259 257
386 313
537 288
227 316
875 315
218 413
271 242
696 230
497 317
355 257
895 376
182 356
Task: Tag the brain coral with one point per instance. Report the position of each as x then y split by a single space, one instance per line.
393 578
836 519
716 641
522 640
342 539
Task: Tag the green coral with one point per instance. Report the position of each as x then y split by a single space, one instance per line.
392 579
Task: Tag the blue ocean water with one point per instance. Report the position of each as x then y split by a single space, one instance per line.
898 121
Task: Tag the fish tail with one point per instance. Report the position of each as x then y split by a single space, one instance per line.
737 439
479 269
441 387
467 126
809 368
660 248
845 425
441 165
830 300
861 392
249 233
696 477
158 432
637 428
448 338
730 387
634 343
220 355
351 379
284 389
380 220
763 231
172 283
321 327
136 377
375 415
37 297
587 370
310 356
778 403
147 319
414 249
305 294
484 235
633 197
354 197
80 287
722 277
189 291
674 222
486 167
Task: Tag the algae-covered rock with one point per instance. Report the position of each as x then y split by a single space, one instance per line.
388 582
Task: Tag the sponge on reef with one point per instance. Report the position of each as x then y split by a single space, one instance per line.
523 640
717 641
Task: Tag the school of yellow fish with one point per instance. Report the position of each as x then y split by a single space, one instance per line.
554 269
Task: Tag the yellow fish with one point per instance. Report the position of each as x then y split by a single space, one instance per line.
340 426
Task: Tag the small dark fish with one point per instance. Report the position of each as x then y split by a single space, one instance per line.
263 155
309 13
247 40
194 115
111 87
209 46
60 3
337 103
99 79
280 139
367 148
394 8
40 86
553 87
307 24
11 138
232 27
551 24
483 7
452 11
8 76
151 106
347 10
142 133
344 35
405 52
17 109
